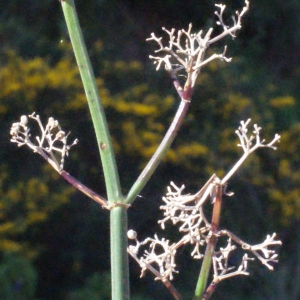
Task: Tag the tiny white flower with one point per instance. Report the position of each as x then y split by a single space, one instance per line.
52 123
131 234
15 128
24 120
60 135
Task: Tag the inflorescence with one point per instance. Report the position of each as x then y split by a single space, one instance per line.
51 143
186 50
187 211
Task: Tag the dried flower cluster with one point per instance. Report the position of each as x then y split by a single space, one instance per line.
187 211
186 50
51 143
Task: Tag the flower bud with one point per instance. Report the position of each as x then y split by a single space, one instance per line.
131 234
24 120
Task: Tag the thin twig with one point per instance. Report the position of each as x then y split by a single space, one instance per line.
209 291
211 244
159 153
84 189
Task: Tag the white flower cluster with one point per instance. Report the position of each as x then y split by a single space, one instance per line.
246 143
51 142
160 259
188 212
262 252
221 267
186 50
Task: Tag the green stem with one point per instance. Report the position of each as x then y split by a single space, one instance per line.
185 96
119 256
206 265
159 153
96 109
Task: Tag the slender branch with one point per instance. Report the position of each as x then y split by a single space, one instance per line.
165 144
211 288
172 290
84 189
159 153
212 241
177 84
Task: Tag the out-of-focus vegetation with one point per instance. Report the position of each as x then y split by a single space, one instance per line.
18 278
59 237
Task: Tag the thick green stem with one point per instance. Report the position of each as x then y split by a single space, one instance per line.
96 109
119 256
206 265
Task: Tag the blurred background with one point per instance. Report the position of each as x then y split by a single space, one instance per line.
53 240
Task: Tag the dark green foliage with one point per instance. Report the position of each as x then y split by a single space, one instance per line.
18 278
96 287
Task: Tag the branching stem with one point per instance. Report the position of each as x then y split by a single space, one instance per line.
84 189
159 153
165 143
118 215
212 241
